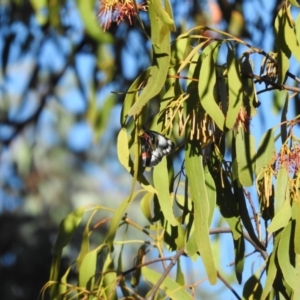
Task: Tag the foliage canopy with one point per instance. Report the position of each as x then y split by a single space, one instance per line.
202 91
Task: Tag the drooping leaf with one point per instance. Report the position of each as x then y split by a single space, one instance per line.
145 205
239 249
252 288
160 37
211 193
244 213
245 153
284 258
199 196
206 86
172 289
88 269
179 274
283 127
162 13
109 280
295 3
266 151
282 217
271 270
161 184
281 188
284 53
132 92
235 92
290 35
66 230
86 10
296 208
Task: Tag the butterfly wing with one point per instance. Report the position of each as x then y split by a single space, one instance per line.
154 147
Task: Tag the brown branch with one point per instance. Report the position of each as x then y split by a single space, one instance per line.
174 259
228 285
263 253
272 83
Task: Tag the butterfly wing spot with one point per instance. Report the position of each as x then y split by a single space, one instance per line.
154 147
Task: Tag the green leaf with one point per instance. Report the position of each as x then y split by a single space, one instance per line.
282 218
131 94
172 289
122 148
211 193
266 151
145 205
271 270
67 228
252 288
110 280
168 8
86 10
161 184
294 2
235 92
244 213
39 6
283 127
87 270
284 52
245 153
249 92
281 188
296 208
199 195
297 29
179 274
206 86
239 249
285 256
163 15
160 37
124 158
290 37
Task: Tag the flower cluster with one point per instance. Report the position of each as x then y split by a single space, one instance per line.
289 158
117 11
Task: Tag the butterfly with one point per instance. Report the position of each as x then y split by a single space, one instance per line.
154 147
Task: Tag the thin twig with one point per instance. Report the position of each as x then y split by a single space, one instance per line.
165 274
263 253
228 285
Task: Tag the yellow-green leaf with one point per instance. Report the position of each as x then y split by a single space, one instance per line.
67 228
282 218
235 92
160 37
161 12
199 195
86 9
284 52
123 151
206 86
281 188
266 151
87 270
161 184
245 153
173 290
283 255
